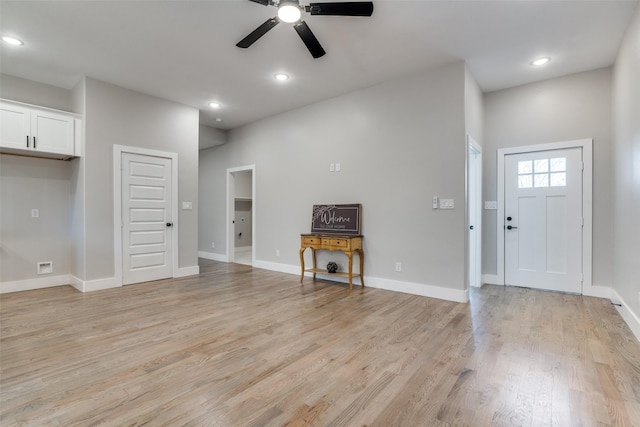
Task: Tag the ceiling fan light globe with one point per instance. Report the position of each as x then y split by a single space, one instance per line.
289 12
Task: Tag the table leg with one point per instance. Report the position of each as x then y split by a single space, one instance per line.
302 263
313 255
350 256
361 255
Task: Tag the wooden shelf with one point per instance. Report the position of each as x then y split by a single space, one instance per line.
321 271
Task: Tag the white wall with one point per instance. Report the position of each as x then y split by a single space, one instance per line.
115 115
474 108
626 219
211 137
27 183
567 108
75 198
399 144
30 92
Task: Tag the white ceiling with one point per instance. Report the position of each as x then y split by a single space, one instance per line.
185 50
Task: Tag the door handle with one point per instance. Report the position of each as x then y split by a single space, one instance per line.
169 224
471 227
510 227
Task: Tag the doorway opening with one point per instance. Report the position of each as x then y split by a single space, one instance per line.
241 215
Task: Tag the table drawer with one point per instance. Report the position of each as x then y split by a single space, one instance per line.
311 241
340 243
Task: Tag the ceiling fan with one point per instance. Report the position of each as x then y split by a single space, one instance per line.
290 11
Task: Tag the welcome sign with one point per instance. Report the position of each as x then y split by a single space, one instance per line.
336 219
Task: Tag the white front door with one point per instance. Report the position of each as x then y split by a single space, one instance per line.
146 218
543 220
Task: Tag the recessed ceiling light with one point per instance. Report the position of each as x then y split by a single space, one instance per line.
214 104
541 61
281 77
12 40
218 119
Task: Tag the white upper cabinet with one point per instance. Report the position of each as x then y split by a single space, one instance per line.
15 126
38 132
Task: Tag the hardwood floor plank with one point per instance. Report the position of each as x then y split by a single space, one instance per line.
237 346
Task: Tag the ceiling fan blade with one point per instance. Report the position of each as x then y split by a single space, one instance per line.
258 32
309 39
364 8
262 2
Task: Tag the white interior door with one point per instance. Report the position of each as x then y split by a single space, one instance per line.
474 197
543 220
146 218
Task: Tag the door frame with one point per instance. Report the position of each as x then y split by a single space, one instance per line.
587 204
472 181
231 203
118 150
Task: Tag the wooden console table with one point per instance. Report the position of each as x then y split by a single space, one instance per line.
344 243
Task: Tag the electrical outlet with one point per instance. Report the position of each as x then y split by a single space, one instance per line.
213 245
337 167
35 213
332 167
398 266
277 252
435 202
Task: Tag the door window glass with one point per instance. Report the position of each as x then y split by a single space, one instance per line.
542 173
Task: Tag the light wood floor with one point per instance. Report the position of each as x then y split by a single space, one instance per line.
238 346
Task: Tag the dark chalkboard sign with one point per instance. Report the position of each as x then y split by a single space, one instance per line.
336 219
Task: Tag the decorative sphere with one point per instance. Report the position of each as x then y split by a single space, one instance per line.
332 267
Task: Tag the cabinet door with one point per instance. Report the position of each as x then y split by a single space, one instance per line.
52 133
14 126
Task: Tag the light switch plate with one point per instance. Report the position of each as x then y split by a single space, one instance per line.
187 206
490 204
446 204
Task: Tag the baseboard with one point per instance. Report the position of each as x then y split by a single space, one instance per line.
491 279
374 282
424 290
212 256
187 271
274 266
37 283
597 291
627 315
95 285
